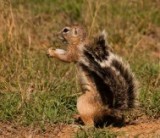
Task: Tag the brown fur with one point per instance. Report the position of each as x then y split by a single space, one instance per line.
92 109
89 103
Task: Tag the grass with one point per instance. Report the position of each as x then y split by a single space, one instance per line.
94 133
37 90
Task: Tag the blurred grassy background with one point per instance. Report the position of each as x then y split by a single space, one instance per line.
35 89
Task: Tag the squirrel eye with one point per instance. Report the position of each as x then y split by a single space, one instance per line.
66 30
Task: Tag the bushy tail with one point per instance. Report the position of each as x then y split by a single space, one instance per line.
108 117
113 79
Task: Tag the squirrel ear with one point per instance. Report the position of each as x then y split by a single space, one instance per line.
104 34
75 31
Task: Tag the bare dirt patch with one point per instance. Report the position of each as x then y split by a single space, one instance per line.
146 129
143 129
8 130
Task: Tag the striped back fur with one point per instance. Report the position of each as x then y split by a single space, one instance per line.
113 79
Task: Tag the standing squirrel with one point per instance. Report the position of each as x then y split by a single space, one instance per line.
108 85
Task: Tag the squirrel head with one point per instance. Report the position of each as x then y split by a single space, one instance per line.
73 35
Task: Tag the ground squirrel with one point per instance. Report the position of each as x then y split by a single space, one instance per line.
108 86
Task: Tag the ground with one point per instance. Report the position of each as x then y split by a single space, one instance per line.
38 95
145 129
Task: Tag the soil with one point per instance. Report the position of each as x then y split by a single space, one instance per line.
148 129
8 130
142 129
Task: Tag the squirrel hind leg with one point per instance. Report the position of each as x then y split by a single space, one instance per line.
84 119
87 105
78 119
93 113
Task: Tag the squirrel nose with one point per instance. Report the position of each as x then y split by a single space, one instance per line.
56 34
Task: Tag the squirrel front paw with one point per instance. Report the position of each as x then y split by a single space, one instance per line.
54 53
51 52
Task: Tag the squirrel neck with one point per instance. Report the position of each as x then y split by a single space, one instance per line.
75 50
